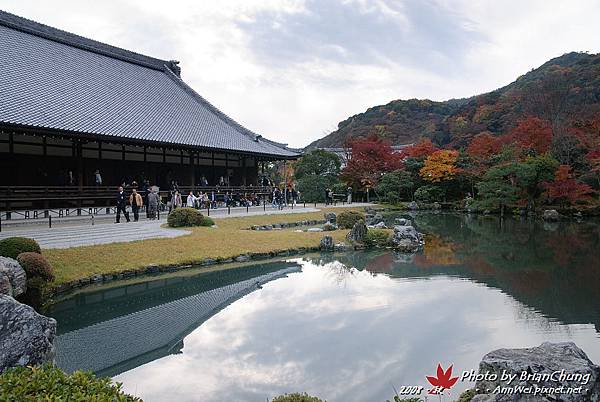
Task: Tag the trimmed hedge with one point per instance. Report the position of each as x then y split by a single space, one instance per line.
36 266
297 397
181 217
49 383
347 219
377 238
206 221
13 246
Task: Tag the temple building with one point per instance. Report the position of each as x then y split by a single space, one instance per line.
71 107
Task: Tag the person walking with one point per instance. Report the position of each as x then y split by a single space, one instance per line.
97 178
191 200
136 201
176 200
153 202
122 205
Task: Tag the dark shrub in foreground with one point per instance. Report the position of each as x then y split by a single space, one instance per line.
206 221
185 217
13 246
297 397
49 383
36 266
347 219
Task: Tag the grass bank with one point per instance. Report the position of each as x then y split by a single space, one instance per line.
228 240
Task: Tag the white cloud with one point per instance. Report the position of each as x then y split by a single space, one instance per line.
292 69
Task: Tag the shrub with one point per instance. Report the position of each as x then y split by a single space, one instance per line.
207 221
36 266
13 246
466 396
49 383
428 194
185 217
377 238
297 397
347 219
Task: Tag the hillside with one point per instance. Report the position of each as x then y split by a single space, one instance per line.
566 88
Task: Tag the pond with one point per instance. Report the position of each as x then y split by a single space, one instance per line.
345 327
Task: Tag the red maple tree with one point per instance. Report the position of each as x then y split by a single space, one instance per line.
565 189
534 134
370 159
420 150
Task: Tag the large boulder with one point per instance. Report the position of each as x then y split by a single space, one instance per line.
326 243
403 221
412 205
548 366
330 217
26 337
358 232
551 215
13 277
406 239
375 219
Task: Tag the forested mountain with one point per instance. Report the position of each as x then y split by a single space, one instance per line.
564 92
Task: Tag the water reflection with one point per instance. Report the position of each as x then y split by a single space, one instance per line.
347 327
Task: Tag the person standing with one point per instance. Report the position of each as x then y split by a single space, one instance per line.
191 200
176 200
349 194
136 201
327 196
153 203
97 178
122 205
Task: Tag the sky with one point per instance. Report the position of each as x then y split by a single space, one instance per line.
291 70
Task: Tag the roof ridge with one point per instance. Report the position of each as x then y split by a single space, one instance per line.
67 38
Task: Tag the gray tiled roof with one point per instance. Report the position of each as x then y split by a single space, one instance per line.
56 80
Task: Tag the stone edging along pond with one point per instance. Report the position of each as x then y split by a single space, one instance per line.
155 268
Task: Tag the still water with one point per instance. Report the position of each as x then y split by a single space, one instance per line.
345 327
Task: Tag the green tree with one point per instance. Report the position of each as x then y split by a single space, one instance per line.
497 190
532 173
316 171
395 186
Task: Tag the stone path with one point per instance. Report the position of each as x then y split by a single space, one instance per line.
74 236
73 233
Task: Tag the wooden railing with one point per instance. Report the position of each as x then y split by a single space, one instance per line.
29 197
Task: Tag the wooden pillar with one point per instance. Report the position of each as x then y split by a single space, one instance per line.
214 179
80 172
11 143
244 172
193 169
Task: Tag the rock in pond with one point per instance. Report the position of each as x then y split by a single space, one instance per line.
358 232
551 215
326 243
413 205
13 280
406 239
380 225
26 337
328 227
538 364
403 221
330 217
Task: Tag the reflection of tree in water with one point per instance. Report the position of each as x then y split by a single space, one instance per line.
555 271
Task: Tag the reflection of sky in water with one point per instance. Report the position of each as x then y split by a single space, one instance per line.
345 336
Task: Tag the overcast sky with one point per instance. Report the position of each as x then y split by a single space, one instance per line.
292 69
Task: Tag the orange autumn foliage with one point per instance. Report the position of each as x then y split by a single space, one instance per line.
440 166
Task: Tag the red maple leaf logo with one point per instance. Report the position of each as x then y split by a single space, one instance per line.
444 380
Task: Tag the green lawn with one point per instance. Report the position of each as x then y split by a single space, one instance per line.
228 240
